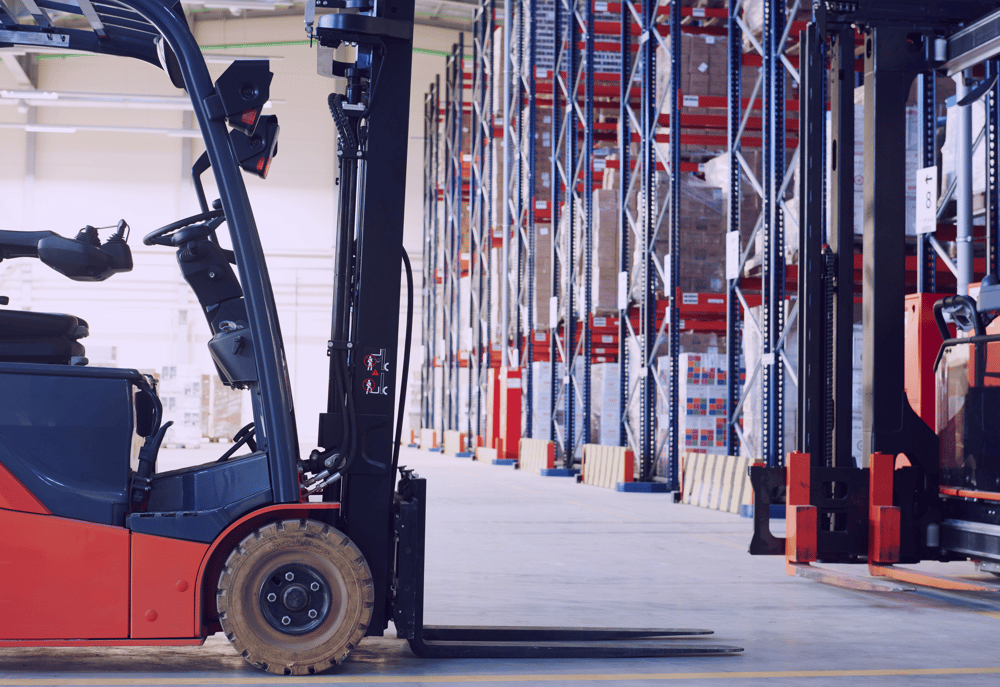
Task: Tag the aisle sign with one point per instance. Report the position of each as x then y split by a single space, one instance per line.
927 200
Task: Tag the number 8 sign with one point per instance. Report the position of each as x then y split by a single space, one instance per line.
927 192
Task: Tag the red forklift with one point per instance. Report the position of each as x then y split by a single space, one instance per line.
295 558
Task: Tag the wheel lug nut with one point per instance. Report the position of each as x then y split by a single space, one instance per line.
285 620
314 586
272 597
313 613
289 576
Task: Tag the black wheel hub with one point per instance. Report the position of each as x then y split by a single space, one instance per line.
295 599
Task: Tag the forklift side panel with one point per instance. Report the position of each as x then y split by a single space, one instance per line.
54 568
199 502
68 440
163 600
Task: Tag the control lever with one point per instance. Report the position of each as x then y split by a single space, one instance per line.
82 258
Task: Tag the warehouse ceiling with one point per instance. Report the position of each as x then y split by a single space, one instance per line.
447 14
454 14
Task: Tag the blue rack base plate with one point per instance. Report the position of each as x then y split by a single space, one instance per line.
560 472
505 461
777 512
643 487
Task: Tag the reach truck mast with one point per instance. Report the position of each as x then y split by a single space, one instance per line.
929 483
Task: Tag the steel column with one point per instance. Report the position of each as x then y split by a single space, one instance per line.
624 228
992 169
963 188
773 263
733 320
927 102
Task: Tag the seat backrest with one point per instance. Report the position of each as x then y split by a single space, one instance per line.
35 337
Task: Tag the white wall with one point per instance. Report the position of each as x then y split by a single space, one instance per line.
98 178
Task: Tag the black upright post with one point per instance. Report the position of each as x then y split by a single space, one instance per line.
889 423
812 436
841 241
646 166
773 264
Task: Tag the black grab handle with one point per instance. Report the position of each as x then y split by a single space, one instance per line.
963 311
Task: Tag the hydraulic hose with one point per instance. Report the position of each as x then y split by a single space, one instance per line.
405 369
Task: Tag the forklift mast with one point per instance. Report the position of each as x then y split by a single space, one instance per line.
371 117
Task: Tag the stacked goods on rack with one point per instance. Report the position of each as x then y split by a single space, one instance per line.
543 276
605 404
562 388
225 412
180 394
543 158
541 400
605 262
753 16
703 399
702 236
703 69
752 408
912 160
603 339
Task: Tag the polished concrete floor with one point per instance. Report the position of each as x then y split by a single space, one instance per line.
508 548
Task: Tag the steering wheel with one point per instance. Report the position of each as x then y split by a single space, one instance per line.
166 235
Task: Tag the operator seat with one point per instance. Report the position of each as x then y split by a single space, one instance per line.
38 337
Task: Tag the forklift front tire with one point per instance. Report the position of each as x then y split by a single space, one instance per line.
295 597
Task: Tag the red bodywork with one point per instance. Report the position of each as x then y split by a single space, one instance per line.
15 496
73 583
922 341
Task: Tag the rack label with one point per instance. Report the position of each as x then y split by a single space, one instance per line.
927 199
690 101
689 298
732 254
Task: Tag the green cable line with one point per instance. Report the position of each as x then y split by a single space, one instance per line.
264 44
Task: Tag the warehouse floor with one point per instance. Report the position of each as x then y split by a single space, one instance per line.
507 548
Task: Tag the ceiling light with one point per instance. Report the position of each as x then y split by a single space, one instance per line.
32 95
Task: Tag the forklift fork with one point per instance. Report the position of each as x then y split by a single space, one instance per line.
439 641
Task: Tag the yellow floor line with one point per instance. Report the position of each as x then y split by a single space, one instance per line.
443 679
